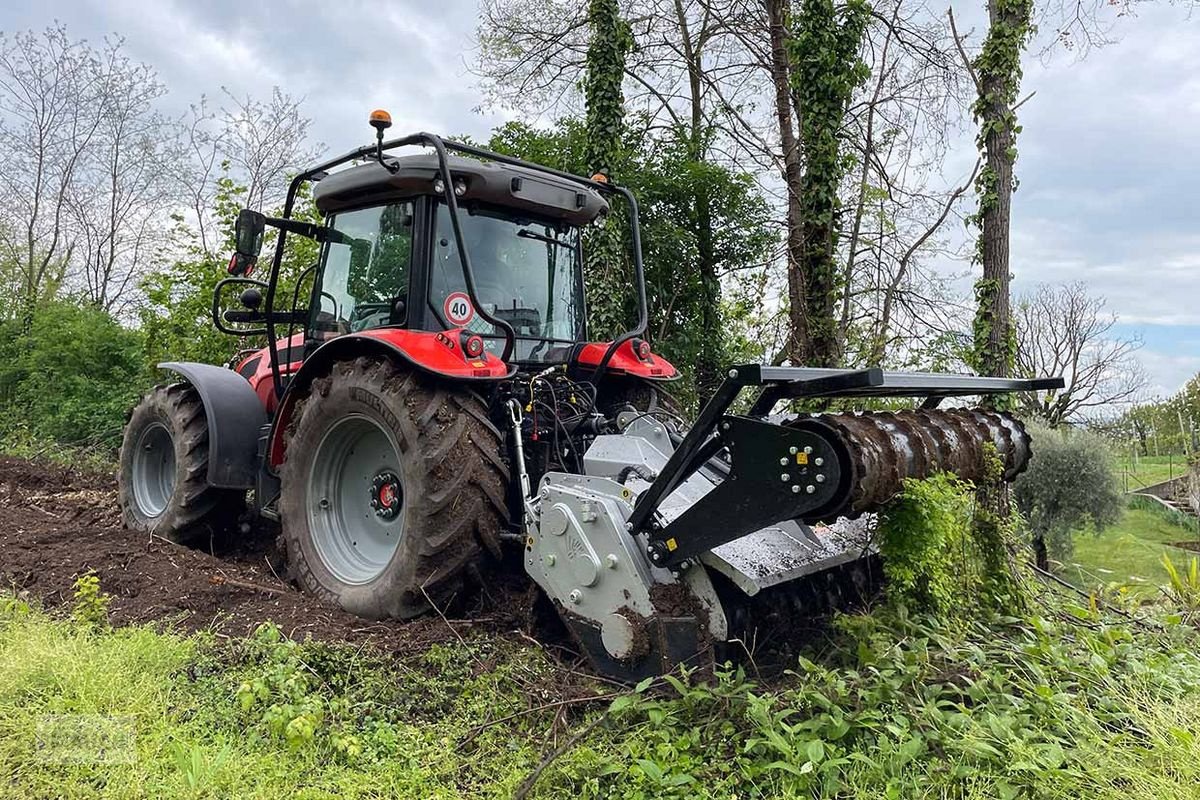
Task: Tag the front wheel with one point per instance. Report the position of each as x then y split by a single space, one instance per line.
392 487
162 482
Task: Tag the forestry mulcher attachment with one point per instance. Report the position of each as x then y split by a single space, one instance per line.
427 409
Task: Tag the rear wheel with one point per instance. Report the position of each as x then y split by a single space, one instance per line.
393 487
163 477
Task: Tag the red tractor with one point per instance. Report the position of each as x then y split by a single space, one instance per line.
428 401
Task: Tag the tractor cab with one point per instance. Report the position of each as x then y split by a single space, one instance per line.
463 263
392 259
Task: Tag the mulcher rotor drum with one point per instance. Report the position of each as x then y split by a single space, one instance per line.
878 451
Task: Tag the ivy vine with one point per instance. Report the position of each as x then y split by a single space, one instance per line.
611 40
997 72
947 544
826 69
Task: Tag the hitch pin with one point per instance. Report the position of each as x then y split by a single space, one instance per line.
514 414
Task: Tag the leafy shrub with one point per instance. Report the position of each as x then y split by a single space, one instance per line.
1071 483
281 694
945 545
90 608
72 378
922 534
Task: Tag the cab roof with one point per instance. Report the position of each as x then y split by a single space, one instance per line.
538 193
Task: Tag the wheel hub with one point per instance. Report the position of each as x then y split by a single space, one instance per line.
153 470
386 495
355 513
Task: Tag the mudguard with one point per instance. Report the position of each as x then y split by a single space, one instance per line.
626 362
235 415
435 352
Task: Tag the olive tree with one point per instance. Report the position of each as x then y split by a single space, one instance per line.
1071 483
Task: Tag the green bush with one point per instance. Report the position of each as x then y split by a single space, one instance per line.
1071 483
71 378
946 545
923 534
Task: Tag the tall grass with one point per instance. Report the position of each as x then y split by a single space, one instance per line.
380 731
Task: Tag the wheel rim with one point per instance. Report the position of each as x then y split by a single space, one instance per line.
356 500
154 470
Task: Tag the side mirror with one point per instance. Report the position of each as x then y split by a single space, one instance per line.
248 240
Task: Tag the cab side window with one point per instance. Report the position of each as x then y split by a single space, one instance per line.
365 273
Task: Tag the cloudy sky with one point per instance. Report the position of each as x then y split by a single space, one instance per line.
1109 157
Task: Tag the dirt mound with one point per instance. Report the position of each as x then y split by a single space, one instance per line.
45 476
57 523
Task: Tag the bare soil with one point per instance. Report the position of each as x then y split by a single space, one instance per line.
57 524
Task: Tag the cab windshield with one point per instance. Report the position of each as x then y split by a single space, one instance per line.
527 273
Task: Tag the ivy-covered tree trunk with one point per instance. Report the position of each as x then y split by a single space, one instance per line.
825 70
605 251
998 78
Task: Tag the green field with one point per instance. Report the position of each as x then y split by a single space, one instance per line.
1148 470
1129 553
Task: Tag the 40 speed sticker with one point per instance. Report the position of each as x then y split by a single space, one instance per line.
458 308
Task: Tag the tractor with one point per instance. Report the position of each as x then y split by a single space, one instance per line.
428 408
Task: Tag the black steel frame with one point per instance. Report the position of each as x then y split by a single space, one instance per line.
442 148
779 383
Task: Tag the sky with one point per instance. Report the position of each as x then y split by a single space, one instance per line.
1109 162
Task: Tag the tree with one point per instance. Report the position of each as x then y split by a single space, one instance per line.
257 144
1070 484
1065 331
825 70
605 257
176 316
778 12
125 183
54 94
266 142
720 72
685 327
996 72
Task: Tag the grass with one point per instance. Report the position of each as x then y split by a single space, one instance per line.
191 717
1148 470
1128 552
894 707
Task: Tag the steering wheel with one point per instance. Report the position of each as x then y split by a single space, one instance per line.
365 315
